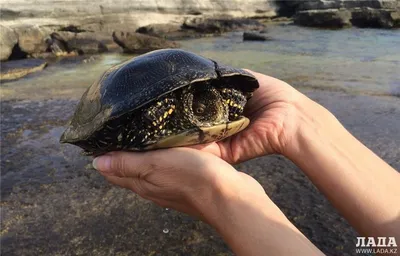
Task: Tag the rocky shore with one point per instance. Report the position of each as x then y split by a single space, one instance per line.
341 13
52 28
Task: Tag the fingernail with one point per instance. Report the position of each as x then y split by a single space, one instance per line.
102 163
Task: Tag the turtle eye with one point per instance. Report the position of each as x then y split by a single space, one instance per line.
199 109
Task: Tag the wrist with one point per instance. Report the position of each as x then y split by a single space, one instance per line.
232 204
251 224
316 127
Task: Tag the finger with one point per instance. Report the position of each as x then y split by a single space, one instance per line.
122 164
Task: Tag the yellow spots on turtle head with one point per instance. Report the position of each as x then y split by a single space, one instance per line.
148 134
159 103
227 101
170 111
235 105
154 123
160 127
231 103
165 114
160 118
236 115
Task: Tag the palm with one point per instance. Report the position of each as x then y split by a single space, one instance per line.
271 125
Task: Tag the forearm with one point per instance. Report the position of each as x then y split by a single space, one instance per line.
359 184
254 225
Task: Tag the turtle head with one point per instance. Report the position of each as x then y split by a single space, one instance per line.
202 106
204 114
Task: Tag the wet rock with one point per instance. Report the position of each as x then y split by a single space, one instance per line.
168 31
87 42
331 18
140 43
215 26
202 25
63 43
373 18
57 45
15 69
255 36
159 30
8 39
342 13
32 39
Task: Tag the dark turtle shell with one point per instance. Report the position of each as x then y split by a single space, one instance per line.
134 83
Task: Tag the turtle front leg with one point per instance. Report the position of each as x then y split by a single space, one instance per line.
235 101
152 123
157 116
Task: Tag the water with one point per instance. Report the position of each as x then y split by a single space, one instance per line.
354 60
361 61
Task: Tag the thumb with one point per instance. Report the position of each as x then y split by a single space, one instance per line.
121 164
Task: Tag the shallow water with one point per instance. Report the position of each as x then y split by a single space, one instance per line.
361 61
354 60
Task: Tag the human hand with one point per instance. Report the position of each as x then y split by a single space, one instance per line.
274 120
184 179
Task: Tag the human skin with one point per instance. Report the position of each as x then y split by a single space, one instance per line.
200 182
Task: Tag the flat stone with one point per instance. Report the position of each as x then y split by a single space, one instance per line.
16 69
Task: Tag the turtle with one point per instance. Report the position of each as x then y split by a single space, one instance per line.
161 99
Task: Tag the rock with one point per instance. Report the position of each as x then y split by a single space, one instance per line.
63 42
202 25
374 18
61 9
254 36
331 18
57 45
32 39
342 13
87 42
7 14
216 26
338 4
15 69
159 30
8 39
140 43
